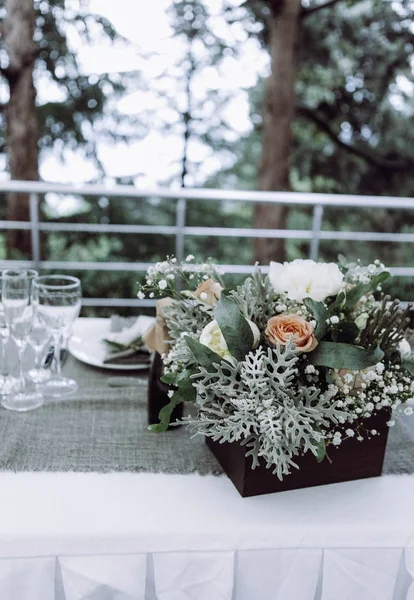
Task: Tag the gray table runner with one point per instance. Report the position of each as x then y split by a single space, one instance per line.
104 429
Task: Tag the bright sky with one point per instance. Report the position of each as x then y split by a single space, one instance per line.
145 24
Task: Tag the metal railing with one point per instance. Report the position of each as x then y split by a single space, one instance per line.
180 230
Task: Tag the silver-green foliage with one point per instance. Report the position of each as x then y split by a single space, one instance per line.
255 299
187 316
260 403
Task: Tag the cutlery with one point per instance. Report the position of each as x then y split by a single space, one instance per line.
124 381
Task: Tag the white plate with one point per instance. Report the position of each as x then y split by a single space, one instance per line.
87 346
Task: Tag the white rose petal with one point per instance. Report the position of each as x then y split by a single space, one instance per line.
212 337
404 349
301 279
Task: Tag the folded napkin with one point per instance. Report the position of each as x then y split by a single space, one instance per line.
131 333
125 339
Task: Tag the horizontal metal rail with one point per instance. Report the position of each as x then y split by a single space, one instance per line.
244 232
180 230
142 267
288 198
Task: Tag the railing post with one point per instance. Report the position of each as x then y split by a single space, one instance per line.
180 224
34 225
316 229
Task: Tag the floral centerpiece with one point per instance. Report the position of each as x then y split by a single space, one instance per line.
290 363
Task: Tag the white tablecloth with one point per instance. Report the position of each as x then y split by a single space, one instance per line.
73 536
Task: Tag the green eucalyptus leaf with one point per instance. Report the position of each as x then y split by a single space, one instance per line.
174 378
234 327
203 355
344 356
320 314
342 261
186 392
170 378
347 332
336 304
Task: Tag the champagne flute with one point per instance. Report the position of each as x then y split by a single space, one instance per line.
58 299
39 338
19 315
8 383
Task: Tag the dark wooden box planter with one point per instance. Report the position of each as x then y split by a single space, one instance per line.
351 460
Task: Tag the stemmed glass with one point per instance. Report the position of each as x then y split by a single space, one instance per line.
19 314
58 299
7 382
38 339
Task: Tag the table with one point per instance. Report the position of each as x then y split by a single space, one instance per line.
146 536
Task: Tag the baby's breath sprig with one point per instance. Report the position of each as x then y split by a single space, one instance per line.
176 280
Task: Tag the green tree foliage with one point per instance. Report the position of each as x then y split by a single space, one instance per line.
84 110
353 131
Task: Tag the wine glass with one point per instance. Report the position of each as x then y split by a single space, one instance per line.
19 315
39 338
58 299
8 383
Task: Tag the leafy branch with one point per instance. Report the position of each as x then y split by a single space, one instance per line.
306 12
400 164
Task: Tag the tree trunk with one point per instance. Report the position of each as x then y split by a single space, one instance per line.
278 114
22 128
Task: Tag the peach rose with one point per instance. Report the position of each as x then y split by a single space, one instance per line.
280 328
208 292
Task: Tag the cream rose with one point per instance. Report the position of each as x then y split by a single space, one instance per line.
404 349
208 292
281 328
212 337
305 278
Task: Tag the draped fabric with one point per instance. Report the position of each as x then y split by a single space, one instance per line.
282 574
127 536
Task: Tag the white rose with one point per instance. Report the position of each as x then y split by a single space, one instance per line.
300 279
404 349
212 337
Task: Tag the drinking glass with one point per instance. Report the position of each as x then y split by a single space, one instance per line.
58 299
19 315
39 338
8 384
